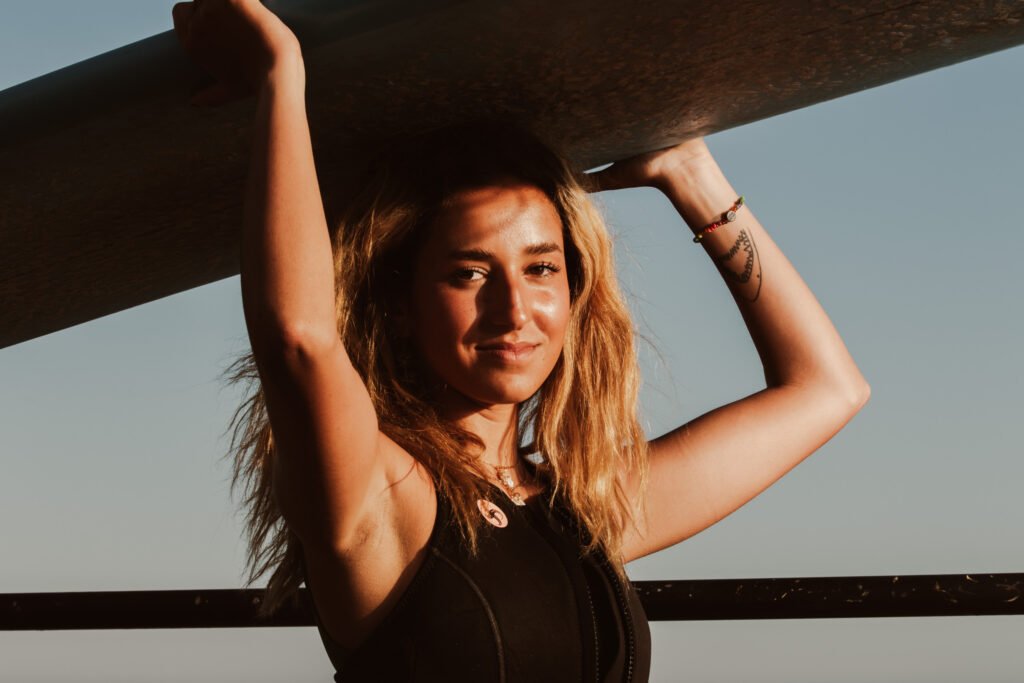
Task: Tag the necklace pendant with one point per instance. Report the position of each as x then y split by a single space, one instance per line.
510 487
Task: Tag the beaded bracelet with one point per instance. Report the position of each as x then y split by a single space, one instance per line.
727 217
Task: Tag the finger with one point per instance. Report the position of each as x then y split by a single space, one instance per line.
181 15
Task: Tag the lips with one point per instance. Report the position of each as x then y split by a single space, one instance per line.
508 353
515 348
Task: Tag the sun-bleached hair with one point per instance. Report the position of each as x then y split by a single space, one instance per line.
584 417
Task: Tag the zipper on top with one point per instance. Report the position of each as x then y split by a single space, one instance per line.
627 612
624 606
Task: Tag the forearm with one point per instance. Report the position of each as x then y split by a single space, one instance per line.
287 271
796 341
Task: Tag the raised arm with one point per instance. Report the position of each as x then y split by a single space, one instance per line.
329 463
712 465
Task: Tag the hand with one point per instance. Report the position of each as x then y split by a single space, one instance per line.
238 42
651 169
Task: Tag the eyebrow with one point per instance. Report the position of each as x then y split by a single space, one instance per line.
484 255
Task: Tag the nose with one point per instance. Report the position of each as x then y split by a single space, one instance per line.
507 302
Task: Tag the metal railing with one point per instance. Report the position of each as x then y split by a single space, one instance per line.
831 597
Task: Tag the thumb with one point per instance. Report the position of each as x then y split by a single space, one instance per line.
181 17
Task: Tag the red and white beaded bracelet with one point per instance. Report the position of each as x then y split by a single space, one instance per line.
727 217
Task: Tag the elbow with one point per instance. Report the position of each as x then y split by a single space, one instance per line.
866 394
852 392
861 393
838 403
846 396
855 394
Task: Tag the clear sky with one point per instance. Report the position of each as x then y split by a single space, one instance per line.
896 205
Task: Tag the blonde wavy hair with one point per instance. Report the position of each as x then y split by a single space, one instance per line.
583 418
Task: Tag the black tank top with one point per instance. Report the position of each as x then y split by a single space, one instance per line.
529 607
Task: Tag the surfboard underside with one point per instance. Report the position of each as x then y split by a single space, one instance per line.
115 192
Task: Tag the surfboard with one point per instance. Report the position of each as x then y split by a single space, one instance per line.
115 192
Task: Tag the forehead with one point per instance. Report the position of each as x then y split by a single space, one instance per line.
510 213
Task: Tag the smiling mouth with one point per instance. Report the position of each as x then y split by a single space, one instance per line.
508 353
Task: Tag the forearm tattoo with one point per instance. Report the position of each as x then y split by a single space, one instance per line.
745 243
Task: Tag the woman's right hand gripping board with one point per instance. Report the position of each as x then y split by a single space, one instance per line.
342 486
238 42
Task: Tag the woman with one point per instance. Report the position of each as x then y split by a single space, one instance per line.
464 298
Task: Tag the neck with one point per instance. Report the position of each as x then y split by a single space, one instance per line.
495 424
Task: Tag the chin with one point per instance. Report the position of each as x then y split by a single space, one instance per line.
504 393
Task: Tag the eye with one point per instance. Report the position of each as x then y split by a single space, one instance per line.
466 274
545 269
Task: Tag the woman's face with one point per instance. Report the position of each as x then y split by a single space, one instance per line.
490 299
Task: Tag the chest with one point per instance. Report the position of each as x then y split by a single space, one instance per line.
528 606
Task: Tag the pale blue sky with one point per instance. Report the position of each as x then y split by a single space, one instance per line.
896 205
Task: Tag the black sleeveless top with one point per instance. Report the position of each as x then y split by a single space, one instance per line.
529 607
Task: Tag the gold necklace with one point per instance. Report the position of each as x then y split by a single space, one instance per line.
509 483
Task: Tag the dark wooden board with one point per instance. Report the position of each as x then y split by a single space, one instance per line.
114 192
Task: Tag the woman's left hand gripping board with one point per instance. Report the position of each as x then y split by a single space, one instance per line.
237 42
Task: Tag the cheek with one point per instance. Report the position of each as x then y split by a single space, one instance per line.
554 310
443 316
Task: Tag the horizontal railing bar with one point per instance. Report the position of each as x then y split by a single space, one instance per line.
832 597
